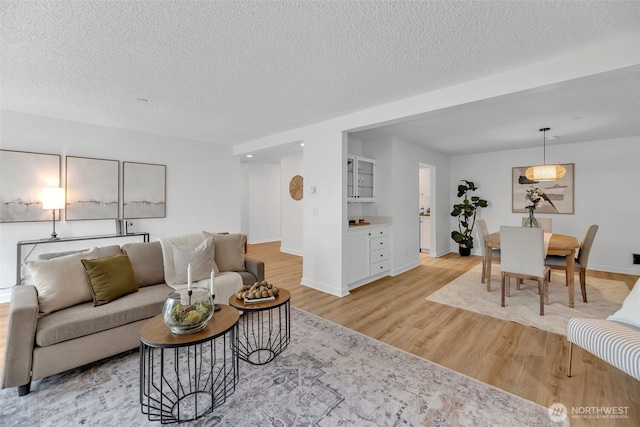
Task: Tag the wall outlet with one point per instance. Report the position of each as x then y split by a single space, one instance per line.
636 258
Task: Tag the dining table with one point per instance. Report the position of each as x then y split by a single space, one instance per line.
559 244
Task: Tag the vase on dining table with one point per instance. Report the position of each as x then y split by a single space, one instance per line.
531 221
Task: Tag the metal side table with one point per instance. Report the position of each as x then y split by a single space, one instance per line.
183 377
264 329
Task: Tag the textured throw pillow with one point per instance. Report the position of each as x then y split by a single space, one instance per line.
61 282
110 278
630 311
201 259
229 254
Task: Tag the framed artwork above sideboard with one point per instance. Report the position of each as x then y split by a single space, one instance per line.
143 190
92 188
23 174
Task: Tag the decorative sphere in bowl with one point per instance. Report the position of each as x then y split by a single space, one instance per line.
186 312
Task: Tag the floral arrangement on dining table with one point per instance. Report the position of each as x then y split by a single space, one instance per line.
534 196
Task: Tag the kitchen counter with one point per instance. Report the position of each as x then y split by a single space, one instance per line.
370 221
367 225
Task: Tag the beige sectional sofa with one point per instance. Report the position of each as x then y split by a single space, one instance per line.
62 321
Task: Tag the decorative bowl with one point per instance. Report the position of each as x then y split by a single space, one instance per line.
188 311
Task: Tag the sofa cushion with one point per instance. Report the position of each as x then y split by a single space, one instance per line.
192 239
201 259
110 278
146 260
85 319
102 251
229 250
630 311
61 282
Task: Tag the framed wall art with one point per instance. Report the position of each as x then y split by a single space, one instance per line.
144 190
560 193
92 188
23 174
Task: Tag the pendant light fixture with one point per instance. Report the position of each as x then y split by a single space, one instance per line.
545 172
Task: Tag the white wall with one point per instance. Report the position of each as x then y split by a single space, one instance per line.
203 180
291 210
263 192
607 178
325 211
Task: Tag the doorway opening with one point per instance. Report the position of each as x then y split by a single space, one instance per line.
427 204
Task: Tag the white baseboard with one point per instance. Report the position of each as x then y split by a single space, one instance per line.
324 288
291 251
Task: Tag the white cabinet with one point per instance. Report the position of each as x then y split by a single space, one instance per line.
359 255
369 254
425 233
360 179
380 246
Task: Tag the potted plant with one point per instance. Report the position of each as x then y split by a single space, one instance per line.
466 214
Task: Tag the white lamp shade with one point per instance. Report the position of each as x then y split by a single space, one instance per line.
52 198
545 172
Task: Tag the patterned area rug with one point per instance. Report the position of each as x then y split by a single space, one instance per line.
523 306
328 376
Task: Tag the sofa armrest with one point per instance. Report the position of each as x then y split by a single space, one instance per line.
21 331
255 267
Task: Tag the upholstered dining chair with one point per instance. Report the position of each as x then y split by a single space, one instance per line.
522 257
545 223
483 232
558 262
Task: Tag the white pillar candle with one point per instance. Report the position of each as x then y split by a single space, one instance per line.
189 276
213 283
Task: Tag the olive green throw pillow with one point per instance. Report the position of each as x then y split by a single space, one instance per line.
110 278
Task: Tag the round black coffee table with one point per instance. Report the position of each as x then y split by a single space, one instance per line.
264 330
183 377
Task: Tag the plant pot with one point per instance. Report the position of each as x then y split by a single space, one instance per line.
464 251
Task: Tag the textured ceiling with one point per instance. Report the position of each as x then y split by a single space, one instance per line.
605 106
231 71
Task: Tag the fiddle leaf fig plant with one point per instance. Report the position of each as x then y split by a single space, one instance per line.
466 211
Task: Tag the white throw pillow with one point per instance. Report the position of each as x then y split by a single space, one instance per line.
630 311
201 259
61 282
193 240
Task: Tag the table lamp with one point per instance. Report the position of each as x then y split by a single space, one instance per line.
53 198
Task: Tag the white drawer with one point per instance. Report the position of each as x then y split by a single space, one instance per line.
381 255
380 267
380 243
380 232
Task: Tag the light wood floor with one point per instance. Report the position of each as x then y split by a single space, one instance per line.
525 361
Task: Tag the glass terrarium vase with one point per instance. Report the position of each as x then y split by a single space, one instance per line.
188 311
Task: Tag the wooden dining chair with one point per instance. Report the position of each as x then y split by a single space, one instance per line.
558 262
483 232
522 257
545 223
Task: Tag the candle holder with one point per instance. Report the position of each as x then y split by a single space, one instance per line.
187 311
216 307
212 289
